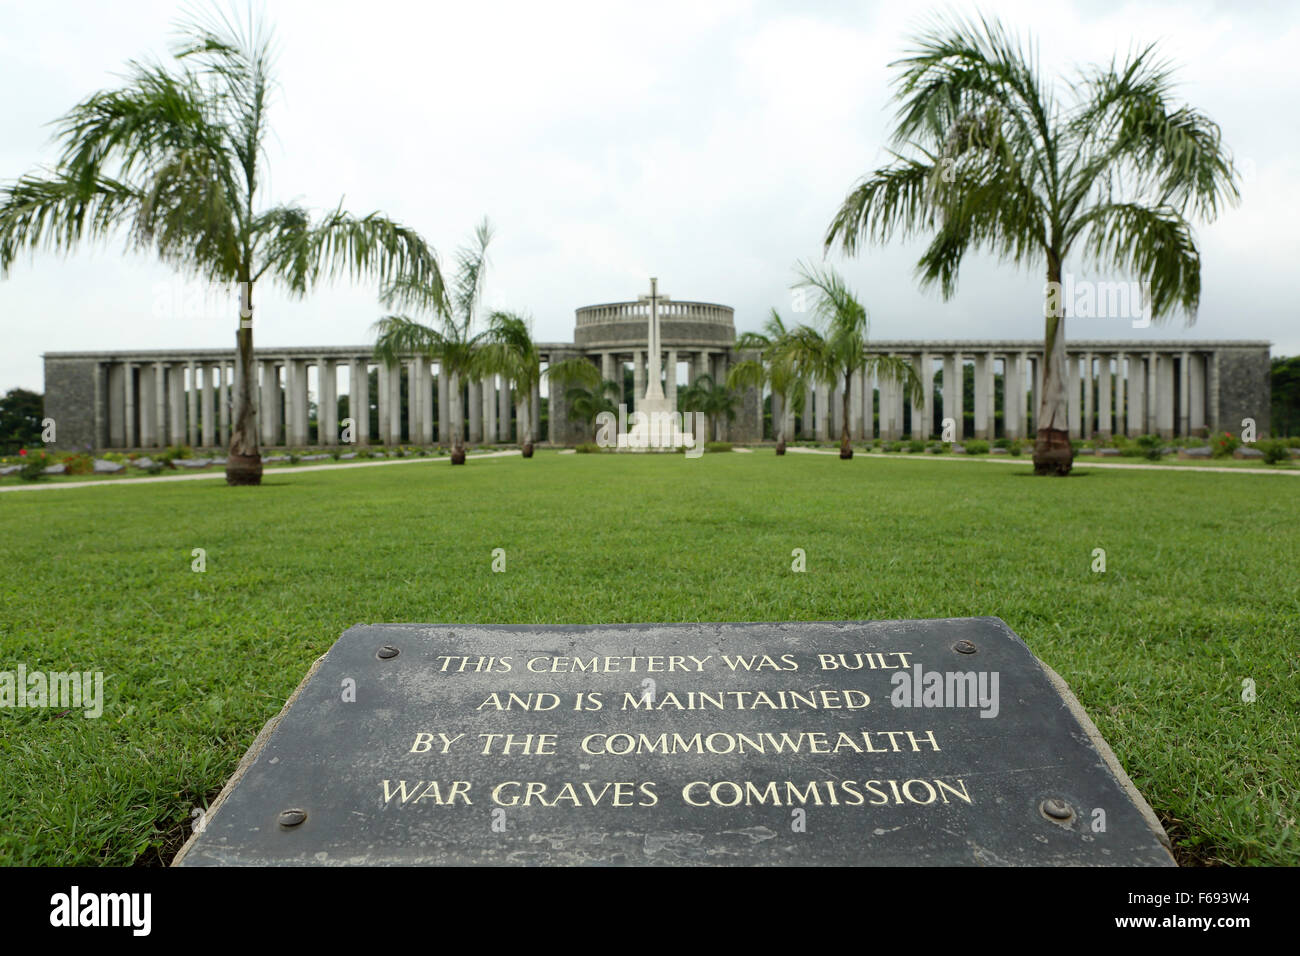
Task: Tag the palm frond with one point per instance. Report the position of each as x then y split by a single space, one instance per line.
299 254
1155 244
56 212
398 337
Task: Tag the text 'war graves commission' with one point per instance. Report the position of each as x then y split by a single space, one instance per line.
889 742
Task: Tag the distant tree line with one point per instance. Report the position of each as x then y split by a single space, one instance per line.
21 412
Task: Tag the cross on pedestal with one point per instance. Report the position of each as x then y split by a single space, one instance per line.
654 389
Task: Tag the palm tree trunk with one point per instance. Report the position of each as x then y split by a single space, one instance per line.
778 428
526 425
846 447
244 459
1053 454
457 425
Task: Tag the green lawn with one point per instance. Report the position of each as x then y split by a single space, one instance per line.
1201 590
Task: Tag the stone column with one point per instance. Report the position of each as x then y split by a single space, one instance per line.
812 413
1184 395
926 372
303 402
359 400
1025 368
116 405
982 396
823 424
395 403
899 398
208 432
1121 380
455 410
606 368
836 399
160 405
290 402
535 412
1137 396
1087 395
414 403
1216 408
223 418
269 400
869 404
148 409
1036 398
701 366
1165 391
952 387
991 390
472 396
381 402
1196 395
1013 411
191 415
894 389
670 379
445 422
503 410
327 403
1072 388
129 437
638 378
490 409
292 372
1104 428
1152 395
855 406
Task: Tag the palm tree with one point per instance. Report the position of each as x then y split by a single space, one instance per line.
989 158
770 369
457 344
835 353
512 353
586 402
714 399
175 158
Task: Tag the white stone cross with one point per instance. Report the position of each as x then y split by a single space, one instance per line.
654 389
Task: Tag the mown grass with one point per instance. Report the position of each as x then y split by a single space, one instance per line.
1201 590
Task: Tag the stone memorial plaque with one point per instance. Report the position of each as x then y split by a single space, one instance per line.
941 742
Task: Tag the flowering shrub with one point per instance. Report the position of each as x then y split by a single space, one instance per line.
1223 444
34 465
77 463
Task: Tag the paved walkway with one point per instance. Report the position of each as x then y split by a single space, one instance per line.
275 471
1080 461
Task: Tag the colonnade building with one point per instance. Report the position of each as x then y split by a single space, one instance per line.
146 399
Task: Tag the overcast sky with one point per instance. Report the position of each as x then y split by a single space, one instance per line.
707 143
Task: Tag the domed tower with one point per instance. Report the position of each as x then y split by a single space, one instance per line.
695 338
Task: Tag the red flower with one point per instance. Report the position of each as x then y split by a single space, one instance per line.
22 451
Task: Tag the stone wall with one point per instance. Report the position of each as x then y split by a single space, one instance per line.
1245 389
70 401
